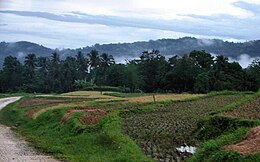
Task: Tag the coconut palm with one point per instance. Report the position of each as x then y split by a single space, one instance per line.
93 59
30 65
106 60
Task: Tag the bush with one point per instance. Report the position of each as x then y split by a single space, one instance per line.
214 126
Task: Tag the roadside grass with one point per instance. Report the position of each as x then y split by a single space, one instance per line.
3 95
74 141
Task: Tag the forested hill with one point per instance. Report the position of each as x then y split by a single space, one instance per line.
21 49
130 50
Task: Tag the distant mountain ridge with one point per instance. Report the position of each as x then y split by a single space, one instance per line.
167 47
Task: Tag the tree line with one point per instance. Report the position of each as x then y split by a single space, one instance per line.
197 72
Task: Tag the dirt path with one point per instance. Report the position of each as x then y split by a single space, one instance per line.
12 147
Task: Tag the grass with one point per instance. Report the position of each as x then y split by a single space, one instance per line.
125 127
3 95
74 141
164 97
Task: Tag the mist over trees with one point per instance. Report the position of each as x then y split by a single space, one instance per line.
197 72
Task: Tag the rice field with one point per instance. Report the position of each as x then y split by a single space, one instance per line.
161 129
160 132
250 110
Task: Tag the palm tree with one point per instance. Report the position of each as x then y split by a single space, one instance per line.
30 65
54 71
93 59
82 65
106 60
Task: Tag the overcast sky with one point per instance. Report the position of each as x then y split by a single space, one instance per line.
78 23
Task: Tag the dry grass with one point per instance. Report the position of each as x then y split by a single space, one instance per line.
90 94
164 97
34 113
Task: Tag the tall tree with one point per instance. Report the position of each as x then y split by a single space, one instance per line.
69 73
101 72
254 71
55 72
106 60
43 78
29 73
12 74
153 68
203 59
81 66
94 61
182 76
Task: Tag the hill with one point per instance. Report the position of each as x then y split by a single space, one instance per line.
121 51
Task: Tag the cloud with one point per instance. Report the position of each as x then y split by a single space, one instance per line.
244 60
73 24
250 7
214 25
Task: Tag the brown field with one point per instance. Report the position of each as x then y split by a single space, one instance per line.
248 111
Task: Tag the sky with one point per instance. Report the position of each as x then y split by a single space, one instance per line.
80 23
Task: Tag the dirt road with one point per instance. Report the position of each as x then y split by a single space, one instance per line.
12 147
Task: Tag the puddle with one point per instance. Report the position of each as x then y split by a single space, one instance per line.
188 149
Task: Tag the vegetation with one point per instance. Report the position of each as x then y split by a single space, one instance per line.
162 110
161 131
76 126
90 126
197 72
227 128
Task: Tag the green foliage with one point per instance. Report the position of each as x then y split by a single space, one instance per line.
106 88
254 71
202 83
214 126
83 84
152 68
11 76
197 72
213 150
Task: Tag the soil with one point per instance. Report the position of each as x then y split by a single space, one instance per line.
250 110
12 147
250 144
